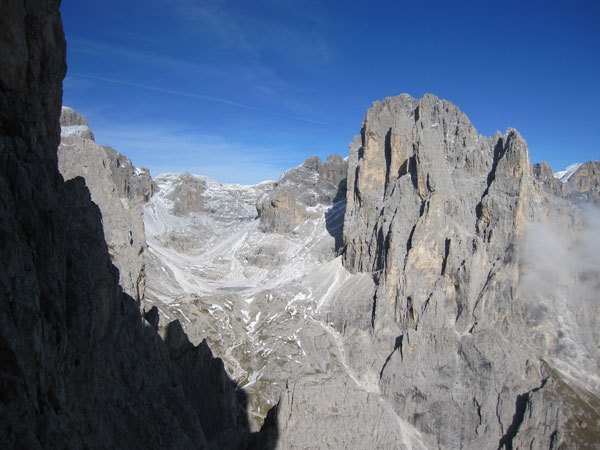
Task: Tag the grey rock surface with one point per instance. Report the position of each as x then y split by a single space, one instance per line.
299 191
585 182
74 124
437 215
261 301
544 174
557 414
118 188
79 367
448 301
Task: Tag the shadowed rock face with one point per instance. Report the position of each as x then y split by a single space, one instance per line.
78 365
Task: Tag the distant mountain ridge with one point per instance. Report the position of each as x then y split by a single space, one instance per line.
564 175
578 182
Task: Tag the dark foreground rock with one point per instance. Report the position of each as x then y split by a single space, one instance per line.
79 367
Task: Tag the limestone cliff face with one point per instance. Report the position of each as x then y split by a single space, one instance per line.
79 368
435 212
586 182
544 175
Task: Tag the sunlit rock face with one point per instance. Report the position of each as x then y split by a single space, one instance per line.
438 215
580 182
585 182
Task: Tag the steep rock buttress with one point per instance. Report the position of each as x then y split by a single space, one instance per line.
436 213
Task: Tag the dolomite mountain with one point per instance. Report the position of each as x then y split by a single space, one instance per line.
579 183
433 290
465 346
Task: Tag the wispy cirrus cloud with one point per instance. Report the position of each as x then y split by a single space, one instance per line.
162 90
256 30
143 58
254 76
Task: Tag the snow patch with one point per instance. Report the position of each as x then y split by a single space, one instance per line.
564 175
75 130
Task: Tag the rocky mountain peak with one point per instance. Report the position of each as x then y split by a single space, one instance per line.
586 180
435 213
69 117
426 149
74 124
303 192
580 182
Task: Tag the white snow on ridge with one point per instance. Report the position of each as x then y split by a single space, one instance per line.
75 130
564 175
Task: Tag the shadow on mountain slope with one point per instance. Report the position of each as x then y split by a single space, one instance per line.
334 217
79 367
215 396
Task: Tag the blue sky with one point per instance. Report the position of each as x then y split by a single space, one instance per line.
242 90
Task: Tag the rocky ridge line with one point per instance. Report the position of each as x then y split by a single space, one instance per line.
298 192
581 185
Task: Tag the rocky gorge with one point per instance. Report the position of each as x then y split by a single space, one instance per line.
432 290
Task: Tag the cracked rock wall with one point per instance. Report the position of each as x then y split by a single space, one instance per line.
435 213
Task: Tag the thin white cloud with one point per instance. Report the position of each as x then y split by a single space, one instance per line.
560 282
255 76
288 35
178 65
186 94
